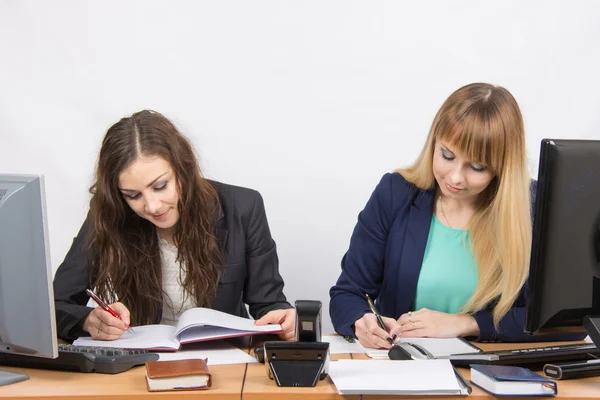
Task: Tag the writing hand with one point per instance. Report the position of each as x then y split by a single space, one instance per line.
287 320
370 334
429 323
103 326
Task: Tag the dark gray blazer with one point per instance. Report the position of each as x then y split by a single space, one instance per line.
251 273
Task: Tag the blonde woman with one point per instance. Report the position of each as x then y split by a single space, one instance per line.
443 245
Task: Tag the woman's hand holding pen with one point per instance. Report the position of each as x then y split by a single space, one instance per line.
370 334
429 323
101 325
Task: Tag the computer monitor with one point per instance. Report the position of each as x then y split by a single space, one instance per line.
27 319
564 277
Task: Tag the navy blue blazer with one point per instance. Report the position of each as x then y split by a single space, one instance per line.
385 257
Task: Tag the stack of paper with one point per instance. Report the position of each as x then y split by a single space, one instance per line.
386 377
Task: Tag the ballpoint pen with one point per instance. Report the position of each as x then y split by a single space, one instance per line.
390 339
105 306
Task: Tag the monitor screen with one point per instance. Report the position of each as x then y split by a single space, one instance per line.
564 277
27 320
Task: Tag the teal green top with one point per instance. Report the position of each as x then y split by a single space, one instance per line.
448 275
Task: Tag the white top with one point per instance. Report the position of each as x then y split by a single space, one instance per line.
175 300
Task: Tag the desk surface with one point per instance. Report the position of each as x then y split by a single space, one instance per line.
240 381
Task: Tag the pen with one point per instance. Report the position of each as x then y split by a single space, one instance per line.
105 306
389 339
462 381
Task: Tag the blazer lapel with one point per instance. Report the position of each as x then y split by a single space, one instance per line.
221 232
413 250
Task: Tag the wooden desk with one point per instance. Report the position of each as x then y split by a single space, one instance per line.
258 386
240 381
227 383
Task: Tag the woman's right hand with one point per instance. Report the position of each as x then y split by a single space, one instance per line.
370 334
101 325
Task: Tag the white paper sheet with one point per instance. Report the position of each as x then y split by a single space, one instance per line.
339 345
422 377
218 352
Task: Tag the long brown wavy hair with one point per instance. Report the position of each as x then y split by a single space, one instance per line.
127 266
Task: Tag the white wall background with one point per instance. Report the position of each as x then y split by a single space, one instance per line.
309 102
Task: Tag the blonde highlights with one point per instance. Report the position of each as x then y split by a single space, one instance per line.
484 122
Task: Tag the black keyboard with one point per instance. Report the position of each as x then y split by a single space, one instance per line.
106 360
533 357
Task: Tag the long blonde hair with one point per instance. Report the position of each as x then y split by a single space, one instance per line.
484 122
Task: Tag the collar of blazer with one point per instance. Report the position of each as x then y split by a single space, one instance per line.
423 199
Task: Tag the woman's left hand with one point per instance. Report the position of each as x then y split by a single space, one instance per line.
287 320
428 323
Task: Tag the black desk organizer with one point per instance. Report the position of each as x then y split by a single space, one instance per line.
296 363
303 362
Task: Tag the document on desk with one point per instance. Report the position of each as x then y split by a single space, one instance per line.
436 347
343 344
386 377
217 352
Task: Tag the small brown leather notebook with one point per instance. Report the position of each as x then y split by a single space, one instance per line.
188 374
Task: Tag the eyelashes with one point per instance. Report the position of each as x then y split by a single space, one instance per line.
137 195
447 157
478 169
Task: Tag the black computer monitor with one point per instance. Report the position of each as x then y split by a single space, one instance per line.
564 277
27 319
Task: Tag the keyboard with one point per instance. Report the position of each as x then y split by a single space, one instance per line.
532 357
105 360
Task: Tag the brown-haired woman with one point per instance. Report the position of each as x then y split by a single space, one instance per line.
160 239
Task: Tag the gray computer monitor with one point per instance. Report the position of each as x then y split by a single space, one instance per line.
564 274
27 319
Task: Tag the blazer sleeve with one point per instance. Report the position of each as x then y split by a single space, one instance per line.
362 265
512 324
70 282
263 288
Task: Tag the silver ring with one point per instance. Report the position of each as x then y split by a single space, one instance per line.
413 324
409 315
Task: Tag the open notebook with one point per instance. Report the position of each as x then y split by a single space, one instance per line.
195 325
433 347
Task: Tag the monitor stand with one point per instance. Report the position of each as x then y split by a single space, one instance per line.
591 323
6 378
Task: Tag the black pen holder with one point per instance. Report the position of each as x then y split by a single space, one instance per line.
296 364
